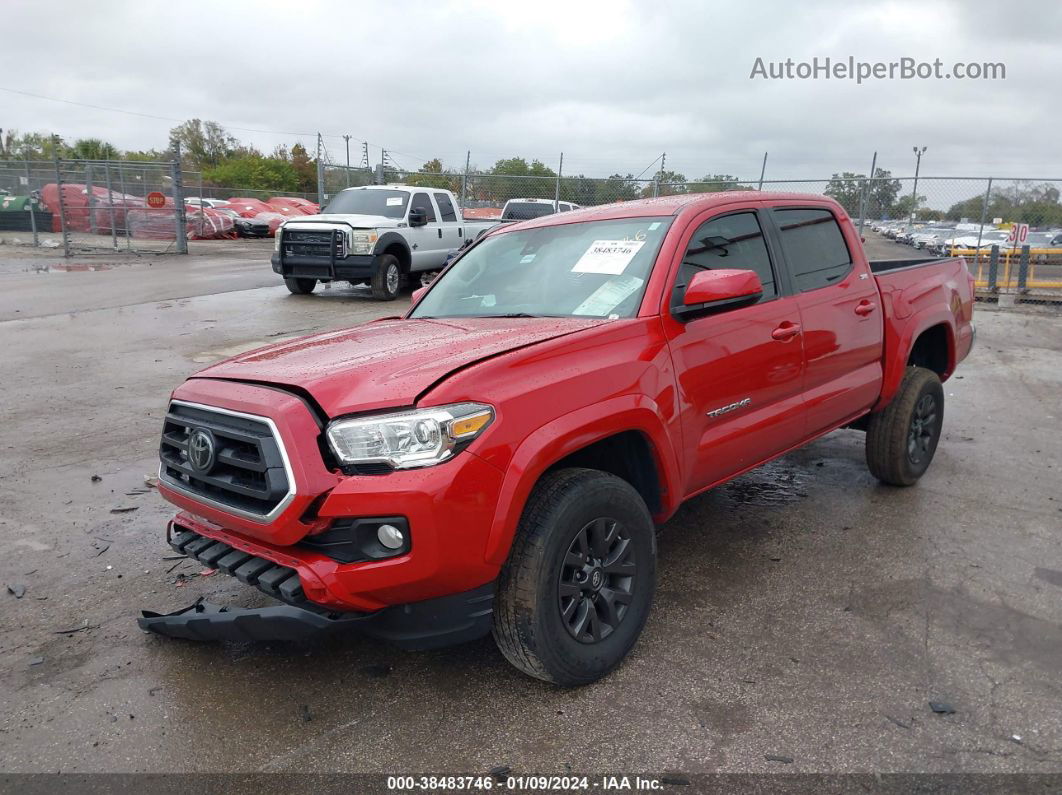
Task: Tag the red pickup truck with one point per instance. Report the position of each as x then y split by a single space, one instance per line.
497 459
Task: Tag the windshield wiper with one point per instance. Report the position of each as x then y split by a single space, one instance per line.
518 314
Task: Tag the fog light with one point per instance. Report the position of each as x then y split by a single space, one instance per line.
390 536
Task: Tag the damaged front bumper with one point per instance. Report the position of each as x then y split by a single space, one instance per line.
206 621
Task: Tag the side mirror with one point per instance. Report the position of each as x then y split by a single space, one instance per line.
419 293
724 287
418 216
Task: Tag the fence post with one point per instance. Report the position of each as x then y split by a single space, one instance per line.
556 192
178 200
1023 270
33 209
984 214
62 199
110 203
125 205
866 194
89 196
993 269
464 178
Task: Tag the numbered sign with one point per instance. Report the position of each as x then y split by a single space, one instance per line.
1019 235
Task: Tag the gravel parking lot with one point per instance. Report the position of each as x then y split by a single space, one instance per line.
804 611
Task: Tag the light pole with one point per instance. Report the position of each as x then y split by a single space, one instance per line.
914 192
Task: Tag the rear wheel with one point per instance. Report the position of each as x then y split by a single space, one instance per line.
576 591
300 286
386 278
902 439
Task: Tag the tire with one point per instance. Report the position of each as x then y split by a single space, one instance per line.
300 286
386 278
902 438
546 609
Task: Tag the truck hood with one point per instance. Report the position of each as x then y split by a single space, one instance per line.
356 221
388 362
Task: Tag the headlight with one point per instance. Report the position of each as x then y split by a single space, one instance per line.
363 241
409 439
276 241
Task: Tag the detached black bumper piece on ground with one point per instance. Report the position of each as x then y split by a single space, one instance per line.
430 624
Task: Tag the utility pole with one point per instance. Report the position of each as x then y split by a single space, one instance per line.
866 193
914 191
320 172
763 170
656 179
346 138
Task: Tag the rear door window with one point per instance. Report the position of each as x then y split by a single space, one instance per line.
446 207
421 201
814 247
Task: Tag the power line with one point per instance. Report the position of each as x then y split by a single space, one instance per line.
160 118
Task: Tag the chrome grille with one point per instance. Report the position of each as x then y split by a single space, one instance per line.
247 472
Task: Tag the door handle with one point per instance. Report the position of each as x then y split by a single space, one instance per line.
786 331
864 308
440 233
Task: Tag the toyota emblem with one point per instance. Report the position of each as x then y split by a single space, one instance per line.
201 450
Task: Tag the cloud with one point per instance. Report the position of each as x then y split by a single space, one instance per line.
611 84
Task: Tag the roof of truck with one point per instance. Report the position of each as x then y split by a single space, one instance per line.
668 205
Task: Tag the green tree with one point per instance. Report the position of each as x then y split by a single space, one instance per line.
254 172
715 183
433 175
850 190
666 183
515 178
93 149
204 144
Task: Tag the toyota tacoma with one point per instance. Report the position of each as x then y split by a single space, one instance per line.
497 459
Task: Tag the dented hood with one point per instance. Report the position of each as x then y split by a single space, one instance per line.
388 362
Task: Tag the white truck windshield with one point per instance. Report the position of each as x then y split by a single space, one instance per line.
363 201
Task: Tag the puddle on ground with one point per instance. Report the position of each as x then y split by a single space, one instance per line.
770 485
79 267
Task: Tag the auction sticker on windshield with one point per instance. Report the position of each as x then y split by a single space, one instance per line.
608 256
394 201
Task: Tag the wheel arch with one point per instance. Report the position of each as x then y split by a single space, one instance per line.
393 243
627 428
930 343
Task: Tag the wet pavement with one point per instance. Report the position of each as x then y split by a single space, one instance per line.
804 611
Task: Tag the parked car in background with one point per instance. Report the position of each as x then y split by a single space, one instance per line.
526 209
196 201
246 227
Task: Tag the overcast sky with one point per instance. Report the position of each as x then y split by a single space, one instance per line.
611 84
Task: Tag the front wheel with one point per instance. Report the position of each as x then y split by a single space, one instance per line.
386 278
902 438
577 588
300 286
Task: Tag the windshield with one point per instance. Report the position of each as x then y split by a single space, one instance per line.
364 201
525 211
588 269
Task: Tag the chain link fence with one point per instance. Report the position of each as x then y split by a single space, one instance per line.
1009 230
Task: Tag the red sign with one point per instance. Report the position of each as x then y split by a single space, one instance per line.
156 199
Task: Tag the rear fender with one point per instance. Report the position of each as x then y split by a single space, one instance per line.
898 347
566 435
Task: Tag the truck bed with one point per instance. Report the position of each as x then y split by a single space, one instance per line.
885 265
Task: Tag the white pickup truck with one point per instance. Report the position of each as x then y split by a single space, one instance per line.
378 234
